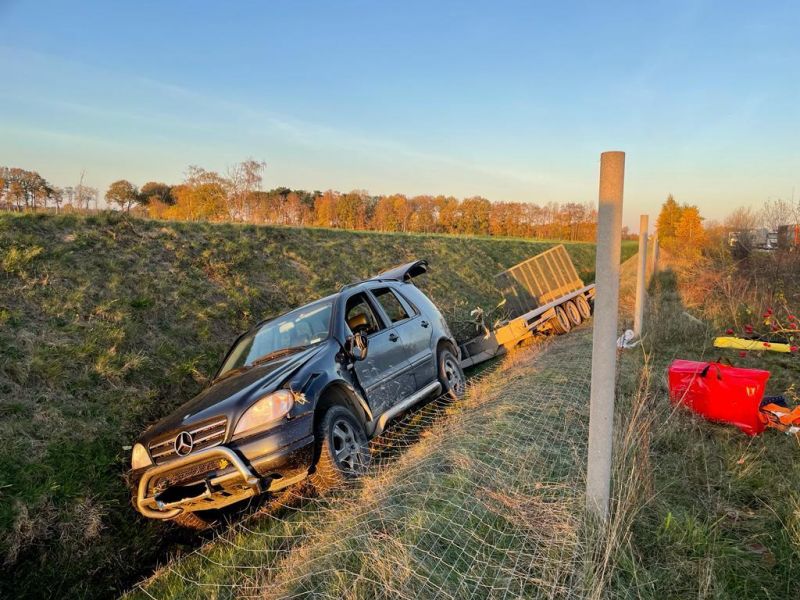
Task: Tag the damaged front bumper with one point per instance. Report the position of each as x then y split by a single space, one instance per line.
221 475
166 506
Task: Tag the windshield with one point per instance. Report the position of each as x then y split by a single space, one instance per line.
302 327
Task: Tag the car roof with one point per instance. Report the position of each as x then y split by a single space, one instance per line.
400 274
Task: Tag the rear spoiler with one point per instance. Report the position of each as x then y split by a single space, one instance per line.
405 272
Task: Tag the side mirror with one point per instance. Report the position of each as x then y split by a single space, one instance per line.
357 346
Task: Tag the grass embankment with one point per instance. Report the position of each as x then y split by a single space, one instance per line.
702 510
107 323
486 505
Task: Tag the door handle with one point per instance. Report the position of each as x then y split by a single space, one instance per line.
425 324
393 337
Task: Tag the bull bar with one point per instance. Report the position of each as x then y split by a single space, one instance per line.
146 504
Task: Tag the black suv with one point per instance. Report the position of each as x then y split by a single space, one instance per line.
299 394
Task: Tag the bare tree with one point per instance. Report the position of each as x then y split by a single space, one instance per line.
57 196
246 177
740 225
777 212
84 194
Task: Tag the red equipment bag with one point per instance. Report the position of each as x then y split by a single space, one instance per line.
720 392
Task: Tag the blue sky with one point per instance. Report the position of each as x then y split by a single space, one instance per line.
509 100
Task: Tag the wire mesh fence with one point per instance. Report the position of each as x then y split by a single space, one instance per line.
476 498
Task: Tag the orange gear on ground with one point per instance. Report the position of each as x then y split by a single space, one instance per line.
781 417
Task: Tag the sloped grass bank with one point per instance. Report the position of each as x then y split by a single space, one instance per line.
107 323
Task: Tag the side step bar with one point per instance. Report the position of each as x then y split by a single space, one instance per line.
380 423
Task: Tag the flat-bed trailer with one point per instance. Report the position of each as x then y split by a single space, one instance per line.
543 294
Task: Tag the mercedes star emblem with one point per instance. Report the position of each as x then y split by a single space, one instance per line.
184 443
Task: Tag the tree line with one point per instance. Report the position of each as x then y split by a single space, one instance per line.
237 196
27 190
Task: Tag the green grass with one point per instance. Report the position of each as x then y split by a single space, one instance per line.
107 324
717 514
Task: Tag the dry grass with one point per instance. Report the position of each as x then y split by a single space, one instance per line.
486 503
107 324
700 510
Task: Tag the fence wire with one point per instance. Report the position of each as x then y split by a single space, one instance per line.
477 498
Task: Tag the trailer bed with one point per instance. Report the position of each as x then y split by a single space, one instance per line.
538 293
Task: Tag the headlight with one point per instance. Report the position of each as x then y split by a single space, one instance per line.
139 457
270 408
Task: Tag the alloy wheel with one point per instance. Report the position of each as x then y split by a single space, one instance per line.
455 380
348 450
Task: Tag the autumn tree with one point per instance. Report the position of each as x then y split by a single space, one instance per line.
325 209
680 229
203 196
383 217
423 214
352 210
122 193
689 231
449 210
474 218
668 218
153 191
24 189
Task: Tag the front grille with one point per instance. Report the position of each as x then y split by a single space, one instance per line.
204 435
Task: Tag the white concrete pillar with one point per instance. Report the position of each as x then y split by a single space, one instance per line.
604 336
641 277
655 253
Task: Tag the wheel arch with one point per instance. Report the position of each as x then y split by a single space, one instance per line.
339 392
446 342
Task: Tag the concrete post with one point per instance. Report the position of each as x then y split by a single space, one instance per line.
655 253
604 336
641 277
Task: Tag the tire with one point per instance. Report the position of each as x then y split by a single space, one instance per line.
560 322
342 449
190 520
573 313
451 376
583 306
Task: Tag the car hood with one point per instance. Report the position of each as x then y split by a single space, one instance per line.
231 396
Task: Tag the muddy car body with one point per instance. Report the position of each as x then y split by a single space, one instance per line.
297 395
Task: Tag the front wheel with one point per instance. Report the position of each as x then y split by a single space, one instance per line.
450 375
342 448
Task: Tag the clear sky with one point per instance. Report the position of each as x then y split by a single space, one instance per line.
508 100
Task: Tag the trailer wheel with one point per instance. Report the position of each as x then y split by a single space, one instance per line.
583 306
560 323
573 313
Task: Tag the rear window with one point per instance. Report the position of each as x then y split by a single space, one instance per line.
391 304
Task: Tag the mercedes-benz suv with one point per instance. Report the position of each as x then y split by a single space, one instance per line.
300 394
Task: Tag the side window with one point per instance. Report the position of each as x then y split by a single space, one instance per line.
360 317
391 304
